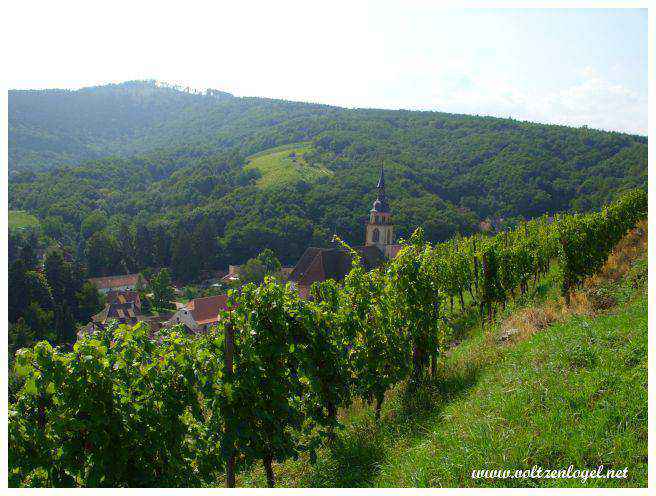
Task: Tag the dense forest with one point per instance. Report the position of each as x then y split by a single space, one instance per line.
139 175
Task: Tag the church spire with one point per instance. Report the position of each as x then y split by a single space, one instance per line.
380 229
381 179
381 205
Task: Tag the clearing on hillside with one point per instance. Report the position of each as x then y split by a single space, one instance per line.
285 164
19 219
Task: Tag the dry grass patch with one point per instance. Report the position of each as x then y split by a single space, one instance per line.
591 299
630 248
524 323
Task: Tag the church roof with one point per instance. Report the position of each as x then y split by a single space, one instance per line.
319 264
393 250
304 263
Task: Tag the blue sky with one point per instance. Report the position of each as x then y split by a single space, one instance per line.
575 67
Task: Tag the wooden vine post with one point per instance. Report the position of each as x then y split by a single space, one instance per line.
483 294
229 366
566 275
475 266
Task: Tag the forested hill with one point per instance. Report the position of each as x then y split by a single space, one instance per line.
142 164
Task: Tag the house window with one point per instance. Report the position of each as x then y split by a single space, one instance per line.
375 236
389 237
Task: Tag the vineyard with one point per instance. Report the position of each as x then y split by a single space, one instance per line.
124 409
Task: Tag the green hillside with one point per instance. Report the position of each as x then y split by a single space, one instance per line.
141 164
284 164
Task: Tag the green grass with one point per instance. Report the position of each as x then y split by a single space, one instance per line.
284 165
574 393
19 219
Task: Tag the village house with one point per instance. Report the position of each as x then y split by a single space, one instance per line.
116 283
124 307
200 313
319 264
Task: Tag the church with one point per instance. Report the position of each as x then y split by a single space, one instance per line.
319 264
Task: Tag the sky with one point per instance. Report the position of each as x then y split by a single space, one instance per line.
563 66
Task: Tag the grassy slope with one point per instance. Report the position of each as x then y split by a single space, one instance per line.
19 219
572 393
279 167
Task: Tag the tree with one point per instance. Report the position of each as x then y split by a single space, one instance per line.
185 264
126 246
204 243
26 286
28 256
93 223
269 261
143 246
41 322
61 277
64 323
102 254
160 286
252 271
255 269
20 335
161 246
89 302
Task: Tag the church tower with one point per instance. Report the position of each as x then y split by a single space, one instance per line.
380 229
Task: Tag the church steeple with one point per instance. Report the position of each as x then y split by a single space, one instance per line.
380 229
381 205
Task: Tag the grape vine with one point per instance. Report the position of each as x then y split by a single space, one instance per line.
125 408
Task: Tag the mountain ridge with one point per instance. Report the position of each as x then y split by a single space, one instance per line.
137 153
142 90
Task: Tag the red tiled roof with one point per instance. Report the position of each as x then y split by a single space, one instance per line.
206 310
124 297
115 281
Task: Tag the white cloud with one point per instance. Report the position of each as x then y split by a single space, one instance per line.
598 103
358 54
593 101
